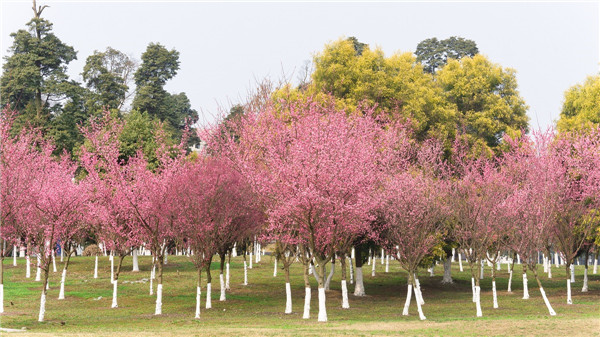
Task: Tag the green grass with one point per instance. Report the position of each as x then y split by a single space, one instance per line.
257 309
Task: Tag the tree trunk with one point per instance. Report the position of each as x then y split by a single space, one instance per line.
345 304
208 287
408 294
307 292
198 293
136 267
322 317
447 270
585 273
61 294
550 310
288 288
43 297
525 285
351 271
510 274
494 295
330 276
478 297
159 287
418 296
359 287
245 271
227 287
221 278
568 269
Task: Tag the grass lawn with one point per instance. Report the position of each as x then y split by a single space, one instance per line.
257 309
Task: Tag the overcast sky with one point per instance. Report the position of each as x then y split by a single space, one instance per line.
225 47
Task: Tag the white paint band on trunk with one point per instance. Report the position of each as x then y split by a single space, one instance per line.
288 298
158 309
307 294
322 308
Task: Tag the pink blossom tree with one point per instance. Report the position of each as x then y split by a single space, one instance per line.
475 194
577 191
216 210
111 213
313 165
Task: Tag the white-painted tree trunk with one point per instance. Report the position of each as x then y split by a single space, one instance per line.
136 266
453 254
595 263
288 298
544 263
510 274
222 284
114 299
494 295
387 263
352 253
369 260
525 287
14 256
61 293
418 293
53 263
275 268
473 288
322 309
418 296
447 270
518 259
556 260
27 267
345 303
407 302
460 262
478 301
112 269
359 287
569 299
158 309
498 267
166 257
227 287
572 273
431 273
152 277
38 272
198 298
250 267
208 299
62 253
96 267
373 266
550 310
306 314
585 280
351 271
42 307
481 270
245 273
382 256
257 255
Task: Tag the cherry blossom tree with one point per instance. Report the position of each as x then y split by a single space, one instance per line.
315 166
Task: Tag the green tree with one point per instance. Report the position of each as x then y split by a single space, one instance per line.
64 126
34 73
486 97
434 54
107 75
581 107
158 66
396 85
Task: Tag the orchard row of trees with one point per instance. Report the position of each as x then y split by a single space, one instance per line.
315 180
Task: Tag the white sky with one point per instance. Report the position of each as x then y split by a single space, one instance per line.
225 47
